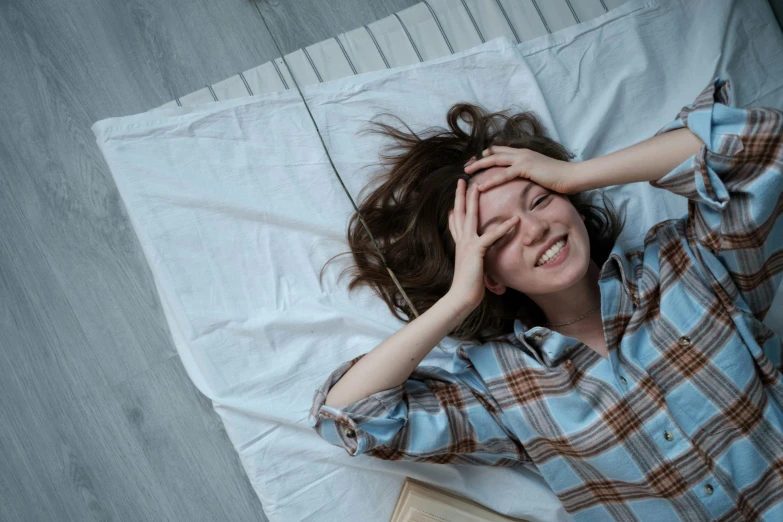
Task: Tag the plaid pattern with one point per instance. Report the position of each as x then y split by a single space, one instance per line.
684 420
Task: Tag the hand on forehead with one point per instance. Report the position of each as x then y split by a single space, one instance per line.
483 175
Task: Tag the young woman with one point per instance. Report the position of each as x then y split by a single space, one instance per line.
641 385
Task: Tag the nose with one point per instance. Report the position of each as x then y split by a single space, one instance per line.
533 229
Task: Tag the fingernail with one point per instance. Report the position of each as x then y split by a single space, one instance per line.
479 187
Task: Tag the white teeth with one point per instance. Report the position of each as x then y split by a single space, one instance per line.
552 252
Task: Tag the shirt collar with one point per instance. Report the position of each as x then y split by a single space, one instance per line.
625 265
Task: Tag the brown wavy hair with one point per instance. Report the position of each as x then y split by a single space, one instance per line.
407 214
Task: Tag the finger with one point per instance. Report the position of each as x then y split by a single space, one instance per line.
451 227
503 159
494 149
500 178
497 231
459 204
470 215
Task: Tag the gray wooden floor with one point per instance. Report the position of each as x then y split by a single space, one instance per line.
98 419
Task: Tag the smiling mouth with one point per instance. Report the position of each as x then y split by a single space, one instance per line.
559 252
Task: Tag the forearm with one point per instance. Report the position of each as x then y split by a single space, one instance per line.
648 160
392 361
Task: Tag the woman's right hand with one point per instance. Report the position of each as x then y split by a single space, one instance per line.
467 288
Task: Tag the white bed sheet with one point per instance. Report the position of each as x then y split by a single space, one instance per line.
236 209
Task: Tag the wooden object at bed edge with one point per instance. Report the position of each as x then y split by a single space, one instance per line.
422 502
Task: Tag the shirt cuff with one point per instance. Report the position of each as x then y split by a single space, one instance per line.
696 177
343 425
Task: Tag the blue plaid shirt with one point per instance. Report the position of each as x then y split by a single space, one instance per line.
684 420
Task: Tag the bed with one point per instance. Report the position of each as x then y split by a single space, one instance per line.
237 208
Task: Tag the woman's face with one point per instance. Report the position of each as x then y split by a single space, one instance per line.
543 216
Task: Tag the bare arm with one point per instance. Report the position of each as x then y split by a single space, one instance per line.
648 160
392 361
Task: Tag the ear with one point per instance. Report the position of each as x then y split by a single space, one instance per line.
493 286
583 218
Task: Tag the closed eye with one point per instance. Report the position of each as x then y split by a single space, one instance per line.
540 200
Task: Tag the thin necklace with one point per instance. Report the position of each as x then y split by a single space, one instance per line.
575 320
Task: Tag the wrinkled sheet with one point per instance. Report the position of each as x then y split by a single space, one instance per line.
237 208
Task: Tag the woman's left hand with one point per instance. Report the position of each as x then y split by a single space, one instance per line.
550 173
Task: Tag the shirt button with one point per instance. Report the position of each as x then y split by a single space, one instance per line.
538 337
636 295
350 433
622 380
668 436
708 489
685 340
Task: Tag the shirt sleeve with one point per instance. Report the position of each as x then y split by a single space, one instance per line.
734 185
435 416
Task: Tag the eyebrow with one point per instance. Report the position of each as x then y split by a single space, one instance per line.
522 195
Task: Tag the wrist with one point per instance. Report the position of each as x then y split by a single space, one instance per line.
459 308
648 160
585 177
